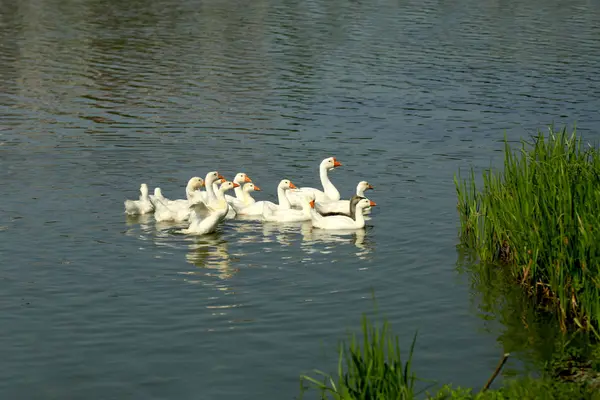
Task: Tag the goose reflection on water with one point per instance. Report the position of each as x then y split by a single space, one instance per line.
312 237
267 232
248 231
141 221
282 233
210 253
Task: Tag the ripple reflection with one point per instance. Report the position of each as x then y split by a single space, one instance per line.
312 237
211 254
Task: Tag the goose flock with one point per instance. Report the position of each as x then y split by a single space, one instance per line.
205 210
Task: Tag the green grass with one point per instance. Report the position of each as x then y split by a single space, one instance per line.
375 371
539 218
526 388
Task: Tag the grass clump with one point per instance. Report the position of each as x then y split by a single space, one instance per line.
374 371
539 217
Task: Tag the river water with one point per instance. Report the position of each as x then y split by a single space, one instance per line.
98 96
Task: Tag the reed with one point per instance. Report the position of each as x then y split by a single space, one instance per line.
538 218
373 371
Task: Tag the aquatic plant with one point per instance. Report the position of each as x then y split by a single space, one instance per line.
538 218
375 371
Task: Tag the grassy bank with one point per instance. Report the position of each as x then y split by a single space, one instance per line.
531 334
372 368
538 218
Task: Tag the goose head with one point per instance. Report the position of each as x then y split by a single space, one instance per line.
158 192
195 183
286 184
212 177
241 178
227 185
144 189
364 185
330 163
251 187
364 203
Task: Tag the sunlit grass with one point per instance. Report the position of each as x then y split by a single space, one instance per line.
538 217
374 370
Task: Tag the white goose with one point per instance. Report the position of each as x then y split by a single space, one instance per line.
192 191
217 184
339 221
141 206
157 194
329 192
290 215
179 210
342 206
209 181
350 212
211 191
256 209
231 214
214 214
220 197
240 200
247 199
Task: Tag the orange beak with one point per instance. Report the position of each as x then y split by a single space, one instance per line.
256 188
247 179
312 204
235 185
336 163
372 203
223 180
221 176
292 186
370 187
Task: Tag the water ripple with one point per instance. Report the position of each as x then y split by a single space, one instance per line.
99 96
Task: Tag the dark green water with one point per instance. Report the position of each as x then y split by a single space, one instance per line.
99 96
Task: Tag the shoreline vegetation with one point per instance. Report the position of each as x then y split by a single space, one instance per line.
532 233
538 220
372 368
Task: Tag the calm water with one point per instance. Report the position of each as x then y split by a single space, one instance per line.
99 96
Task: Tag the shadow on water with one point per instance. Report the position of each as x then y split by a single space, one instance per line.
531 334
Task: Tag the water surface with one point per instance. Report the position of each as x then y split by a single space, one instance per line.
99 96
